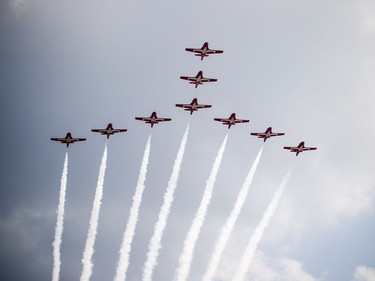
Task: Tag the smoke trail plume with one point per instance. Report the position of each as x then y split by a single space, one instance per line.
59 223
127 239
259 230
93 226
155 242
192 236
229 225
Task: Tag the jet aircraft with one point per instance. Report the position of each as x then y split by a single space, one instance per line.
267 134
68 139
232 120
204 51
300 148
153 119
198 79
193 106
108 131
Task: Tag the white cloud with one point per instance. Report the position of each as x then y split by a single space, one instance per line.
363 273
264 268
260 270
293 271
327 200
367 8
342 194
283 269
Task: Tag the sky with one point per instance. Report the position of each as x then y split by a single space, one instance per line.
303 67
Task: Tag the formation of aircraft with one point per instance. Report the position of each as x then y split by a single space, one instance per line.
198 79
300 148
153 119
204 51
109 130
68 139
231 121
267 134
193 106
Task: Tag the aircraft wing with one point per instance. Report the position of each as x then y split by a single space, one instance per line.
184 105
193 50
208 80
214 51
261 135
163 119
58 139
143 118
277 134
78 139
119 130
291 148
203 106
309 148
241 121
188 78
222 119
99 130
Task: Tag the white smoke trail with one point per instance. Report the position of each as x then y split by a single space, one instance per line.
93 226
127 239
229 225
155 242
259 230
59 223
192 236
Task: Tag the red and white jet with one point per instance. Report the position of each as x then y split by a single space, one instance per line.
68 139
267 134
232 120
153 119
300 148
193 106
204 51
198 79
109 130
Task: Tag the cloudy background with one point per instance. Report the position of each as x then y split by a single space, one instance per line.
303 67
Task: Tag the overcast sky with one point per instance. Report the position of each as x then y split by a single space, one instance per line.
305 68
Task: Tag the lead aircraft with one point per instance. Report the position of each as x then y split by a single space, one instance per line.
204 51
109 130
153 119
68 139
198 79
193 106
300 148
232 120
267 134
